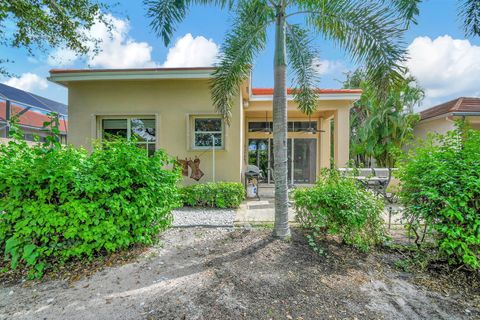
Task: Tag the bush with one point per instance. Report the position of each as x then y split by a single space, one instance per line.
213 194
339 205
441 191
58 203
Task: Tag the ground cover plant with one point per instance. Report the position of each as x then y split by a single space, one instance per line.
441 194
59 202
213 194
338 205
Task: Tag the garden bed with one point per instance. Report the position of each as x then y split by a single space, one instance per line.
204 273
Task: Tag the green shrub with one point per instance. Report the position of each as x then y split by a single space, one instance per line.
58 203
441 192
213 194
339 205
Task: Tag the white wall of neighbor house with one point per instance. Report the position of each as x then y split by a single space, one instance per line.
172 103
439 125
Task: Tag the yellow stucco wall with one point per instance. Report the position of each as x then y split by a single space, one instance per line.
172 102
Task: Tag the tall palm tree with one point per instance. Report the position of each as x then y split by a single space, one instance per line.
369 30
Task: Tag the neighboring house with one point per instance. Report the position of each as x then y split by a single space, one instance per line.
172 109
441 118
32 112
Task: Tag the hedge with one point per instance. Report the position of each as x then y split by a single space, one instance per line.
59 203
213 194
440 190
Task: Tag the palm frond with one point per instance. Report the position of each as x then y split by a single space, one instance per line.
470 12
164 15
301 58
247 37
408 9
368 31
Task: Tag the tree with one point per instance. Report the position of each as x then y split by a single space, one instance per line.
40 24
370 31
382 122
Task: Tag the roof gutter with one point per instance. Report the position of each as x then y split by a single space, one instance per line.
466 113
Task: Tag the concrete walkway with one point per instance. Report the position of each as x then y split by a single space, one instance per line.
254 211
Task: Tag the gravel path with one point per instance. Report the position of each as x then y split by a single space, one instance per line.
203 217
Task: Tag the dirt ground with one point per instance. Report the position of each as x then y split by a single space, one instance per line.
243 274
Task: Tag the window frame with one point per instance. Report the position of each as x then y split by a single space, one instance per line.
128 118
193 132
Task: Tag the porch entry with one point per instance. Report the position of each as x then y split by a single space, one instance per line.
302 159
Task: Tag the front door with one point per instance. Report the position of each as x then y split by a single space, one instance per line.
301 157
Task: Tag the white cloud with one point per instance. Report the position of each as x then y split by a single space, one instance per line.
190 51
115 50
32 59
62 57
328 66
445 67
28 82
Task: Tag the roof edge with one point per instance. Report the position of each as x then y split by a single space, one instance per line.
64 76
62 71
446 108
269 91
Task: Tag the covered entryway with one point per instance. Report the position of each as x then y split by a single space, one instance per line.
310 145
302 159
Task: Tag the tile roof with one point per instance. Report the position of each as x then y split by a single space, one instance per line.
30 118
462 104
269 91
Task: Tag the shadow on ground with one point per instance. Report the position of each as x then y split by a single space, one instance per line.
238 274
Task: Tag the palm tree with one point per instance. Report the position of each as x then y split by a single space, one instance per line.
381 127
370 31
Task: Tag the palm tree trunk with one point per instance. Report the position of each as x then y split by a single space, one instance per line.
281 229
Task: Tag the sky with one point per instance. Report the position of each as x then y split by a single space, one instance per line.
445 63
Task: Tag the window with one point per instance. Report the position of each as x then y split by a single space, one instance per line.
141 129
206 130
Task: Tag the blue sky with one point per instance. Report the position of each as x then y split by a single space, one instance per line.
445 63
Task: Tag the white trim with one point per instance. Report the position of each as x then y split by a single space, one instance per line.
63 78
444 116
322 96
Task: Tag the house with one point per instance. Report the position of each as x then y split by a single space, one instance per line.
441 118
32 112
172 109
